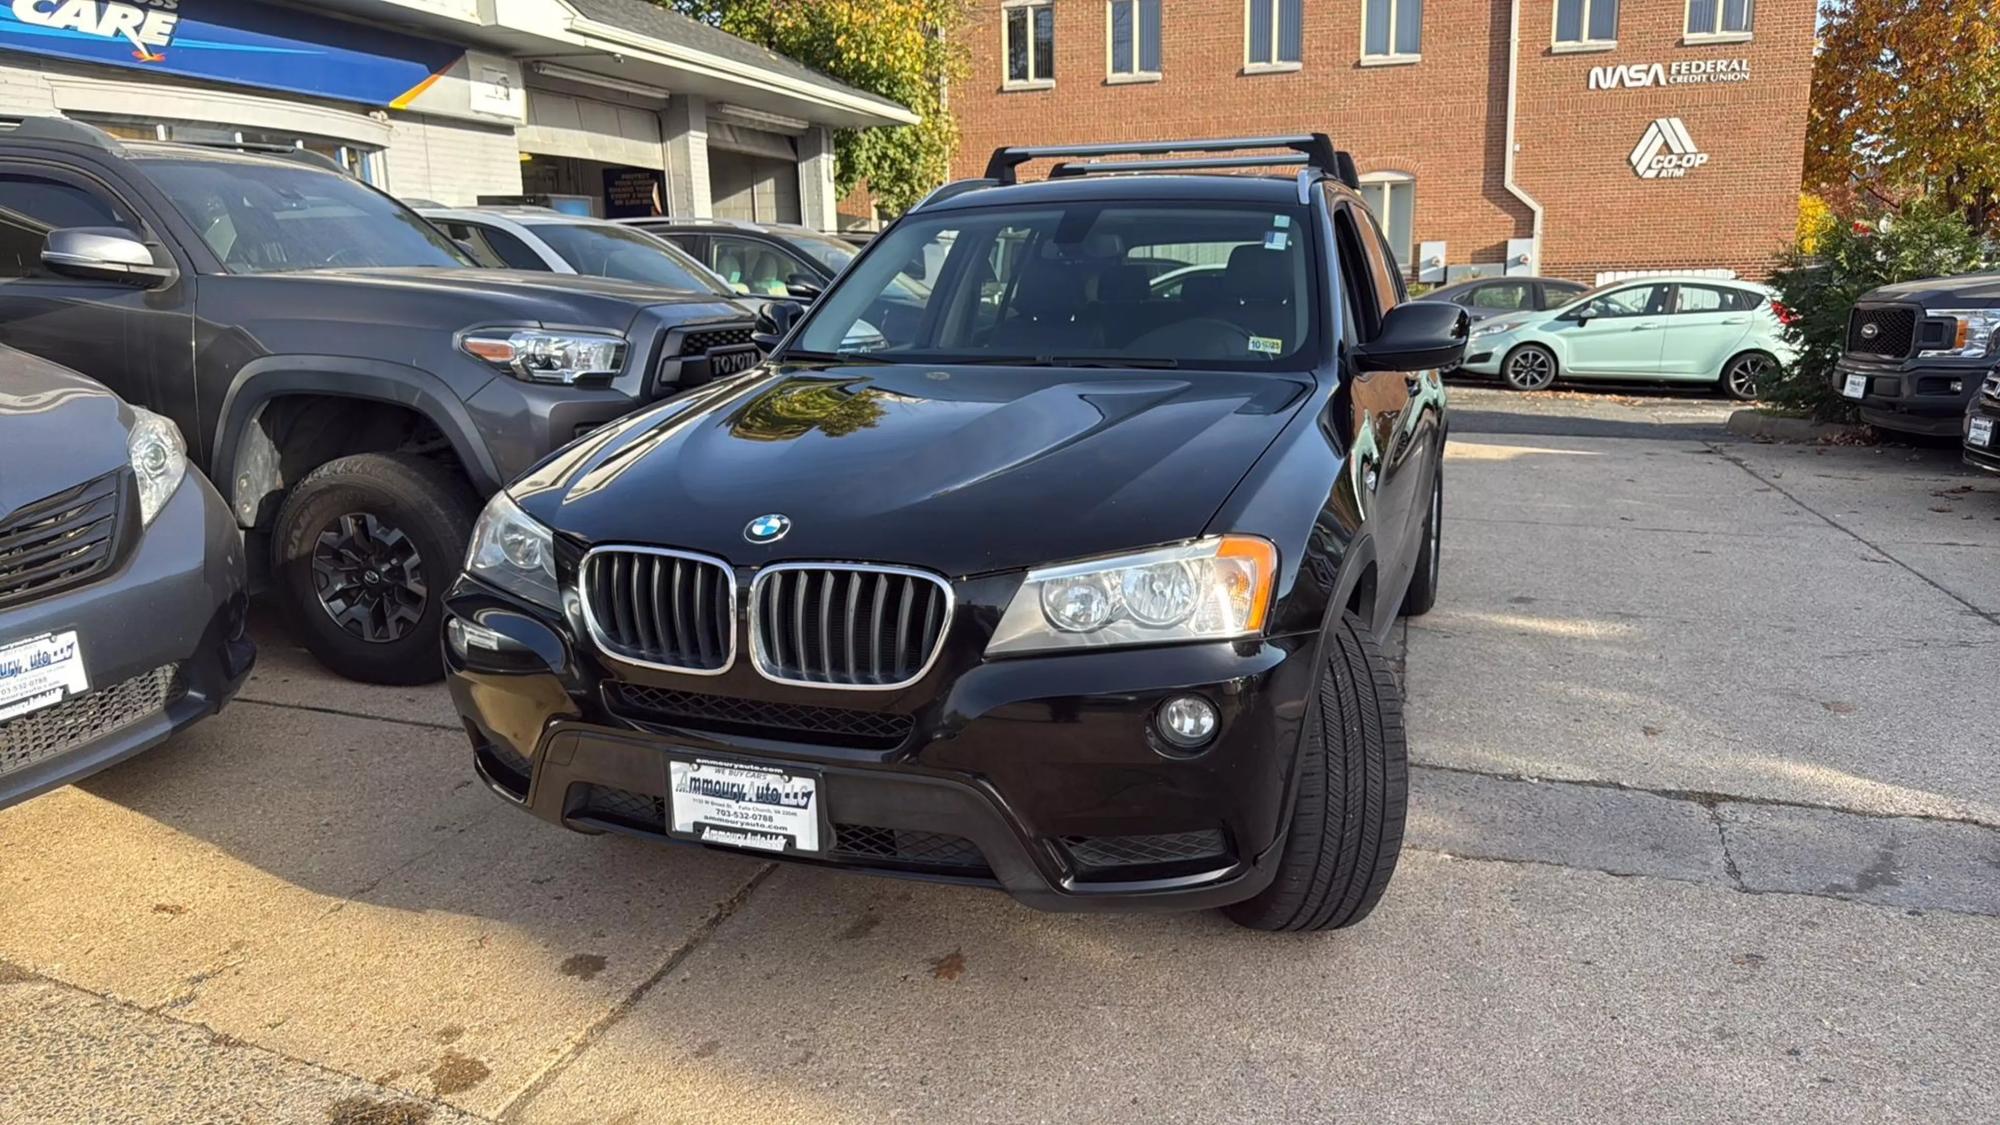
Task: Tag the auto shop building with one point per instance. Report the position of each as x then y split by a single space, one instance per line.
609 107
1576 138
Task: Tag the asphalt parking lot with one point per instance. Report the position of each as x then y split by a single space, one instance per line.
1704 825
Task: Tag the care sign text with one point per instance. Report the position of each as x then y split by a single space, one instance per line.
1683 72
147 25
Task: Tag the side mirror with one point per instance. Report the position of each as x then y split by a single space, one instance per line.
803 288
774 322
1416 336
104 254
1581 316
917 267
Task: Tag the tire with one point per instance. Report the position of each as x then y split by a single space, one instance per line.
1742 374
1423 590
361 553
1353 792
1530 367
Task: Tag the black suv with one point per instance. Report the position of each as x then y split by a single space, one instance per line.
1042 582
349 380
1916 352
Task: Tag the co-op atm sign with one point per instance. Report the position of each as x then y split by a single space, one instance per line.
148 26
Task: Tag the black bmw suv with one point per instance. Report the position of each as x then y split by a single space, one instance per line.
1042 582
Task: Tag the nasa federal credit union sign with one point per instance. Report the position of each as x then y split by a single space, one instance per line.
1680 72
232 41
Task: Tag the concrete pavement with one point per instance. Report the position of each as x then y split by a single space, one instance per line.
1701 828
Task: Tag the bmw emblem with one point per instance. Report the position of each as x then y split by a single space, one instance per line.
1870 331
767 529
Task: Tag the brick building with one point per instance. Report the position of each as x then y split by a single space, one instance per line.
1645 134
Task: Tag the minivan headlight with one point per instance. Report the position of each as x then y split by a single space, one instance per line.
514 553
159 460
543 356
1970 334
1214 589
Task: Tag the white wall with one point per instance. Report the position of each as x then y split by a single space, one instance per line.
450 162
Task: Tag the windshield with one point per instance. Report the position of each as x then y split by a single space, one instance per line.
829 252
266 218
1080 284
1574 300
608 250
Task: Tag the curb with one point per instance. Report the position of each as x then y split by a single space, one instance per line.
1776 427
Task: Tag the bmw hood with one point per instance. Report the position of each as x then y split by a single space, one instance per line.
962 471
59 430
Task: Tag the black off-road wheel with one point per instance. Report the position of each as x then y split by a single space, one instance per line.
1423 591
361 553
1354 787
1530 367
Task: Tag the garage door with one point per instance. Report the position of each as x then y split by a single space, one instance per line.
752 175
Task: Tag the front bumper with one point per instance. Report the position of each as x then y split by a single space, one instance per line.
1034 775
163 644
1483 355
1914 397
1983 456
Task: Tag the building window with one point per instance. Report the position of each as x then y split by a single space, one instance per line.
1393 198
1720 19
1134 32
1029 34
1588 23
1392 30
1272 31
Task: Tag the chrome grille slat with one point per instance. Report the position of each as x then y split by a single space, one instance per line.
877 627
660 608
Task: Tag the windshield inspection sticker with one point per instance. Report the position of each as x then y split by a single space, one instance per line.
1276 240
1281 221
1267 345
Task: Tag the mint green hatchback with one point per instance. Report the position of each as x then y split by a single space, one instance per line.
1695 330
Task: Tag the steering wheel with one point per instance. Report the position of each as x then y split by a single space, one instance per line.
1201 337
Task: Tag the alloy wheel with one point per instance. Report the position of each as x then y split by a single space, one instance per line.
369 577
1531 369
1744 374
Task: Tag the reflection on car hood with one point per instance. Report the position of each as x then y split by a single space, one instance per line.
962 471
58 429
1976 290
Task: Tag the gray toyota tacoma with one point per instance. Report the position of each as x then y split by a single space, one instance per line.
347 376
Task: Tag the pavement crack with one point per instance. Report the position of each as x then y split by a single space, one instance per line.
1704 797
1729 867
345 714
1739 462
590 1035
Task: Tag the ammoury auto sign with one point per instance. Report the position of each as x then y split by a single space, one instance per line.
1666 151
1682 72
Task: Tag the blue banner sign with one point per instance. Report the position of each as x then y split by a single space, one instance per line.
235 41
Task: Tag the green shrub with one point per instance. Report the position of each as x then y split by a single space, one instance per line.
1920 241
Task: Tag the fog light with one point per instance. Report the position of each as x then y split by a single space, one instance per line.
1957 386
1187 722
465 636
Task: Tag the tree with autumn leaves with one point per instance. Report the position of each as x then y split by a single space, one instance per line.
1906 104
908 51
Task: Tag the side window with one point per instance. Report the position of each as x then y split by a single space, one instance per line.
1356 277
1554 294
1640 300
1507 296
1382 271
1743 300
32 206
1700 299
494 247
750 266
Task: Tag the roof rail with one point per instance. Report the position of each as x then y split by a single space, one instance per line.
293 151
1101 167
956 187
1316 147
48 128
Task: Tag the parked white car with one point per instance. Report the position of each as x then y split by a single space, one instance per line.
1729 334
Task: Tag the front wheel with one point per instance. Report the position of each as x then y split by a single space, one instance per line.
1353 791
1743 376
361 553
1530 367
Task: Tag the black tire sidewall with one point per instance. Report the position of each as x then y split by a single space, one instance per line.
1507 364
404 493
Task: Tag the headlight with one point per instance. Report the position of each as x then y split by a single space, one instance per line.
1970 335
1492 327
159 460
513 552
1211 590
548 357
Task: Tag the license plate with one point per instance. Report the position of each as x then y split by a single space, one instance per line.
760 808
1855 387
40 672
731 363
1980 433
